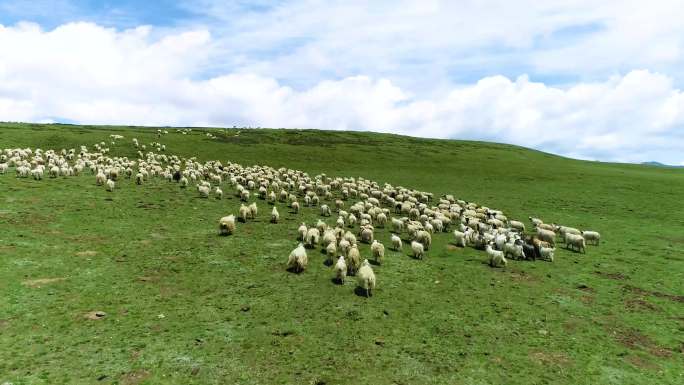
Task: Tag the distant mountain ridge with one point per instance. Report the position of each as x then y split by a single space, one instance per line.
658 164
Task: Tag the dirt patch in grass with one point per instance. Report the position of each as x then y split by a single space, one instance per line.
522 276
40 282
550 358
616 276
642 363
95 315
87 253
643 292
639 304
3 323
148 278
135 377
633 339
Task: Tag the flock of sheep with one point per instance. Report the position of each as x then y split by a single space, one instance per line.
411 215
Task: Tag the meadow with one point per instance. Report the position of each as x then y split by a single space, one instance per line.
184 305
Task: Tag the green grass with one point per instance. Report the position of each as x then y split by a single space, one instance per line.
232 314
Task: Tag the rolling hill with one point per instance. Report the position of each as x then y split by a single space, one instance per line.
183 305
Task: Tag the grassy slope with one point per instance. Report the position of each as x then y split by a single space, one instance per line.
232 314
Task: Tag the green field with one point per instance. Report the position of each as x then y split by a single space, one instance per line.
186 306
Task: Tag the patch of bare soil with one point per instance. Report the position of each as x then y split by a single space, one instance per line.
642 363
135 377
40 282
633 339
616 276
550 358
639 304
643 292
95 315
87 253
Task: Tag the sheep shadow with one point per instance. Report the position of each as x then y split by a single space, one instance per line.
361 292
414 257
293 270
327 262
337 281
374 262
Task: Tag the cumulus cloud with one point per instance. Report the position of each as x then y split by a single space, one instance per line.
86 73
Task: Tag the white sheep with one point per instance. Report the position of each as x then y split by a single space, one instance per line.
301 231
367 234
295 207
425 238
496 257
100 178
139 178
460 238
378 251
275 217
546 235
243 213
575 242
344 247
366 278
418 250
218 193
110 185
253 210
353 259
546 253
517 226
325 210
396 242
227 225
312 237
340 270
203 191
298 259
330 251
513 249
592 236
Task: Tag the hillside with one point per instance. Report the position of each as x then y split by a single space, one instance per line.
184 305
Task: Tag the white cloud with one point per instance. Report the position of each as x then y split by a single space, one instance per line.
86 73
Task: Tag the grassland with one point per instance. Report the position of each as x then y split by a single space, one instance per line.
186 306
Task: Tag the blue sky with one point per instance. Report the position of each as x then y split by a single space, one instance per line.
606 75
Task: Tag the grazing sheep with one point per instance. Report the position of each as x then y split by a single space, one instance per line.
496 257
321 226
203 191
243 213
592 236
298 259
381 219
353 259
110 185
366 278
100 178
367 234
331 251
546 226
418 250
536 221
514 249
345 245
340 270
575 242
325 210
312 237
563 230
244 195
460 238
396 242
546 253
183 183
350 237
378 250
517 226
295 207
253 210
275 217
227 225
397 225
425 238
302 232
546 236
218 193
